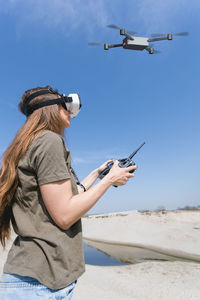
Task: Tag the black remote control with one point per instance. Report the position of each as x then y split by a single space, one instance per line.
123 163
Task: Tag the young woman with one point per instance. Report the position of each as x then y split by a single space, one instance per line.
39 195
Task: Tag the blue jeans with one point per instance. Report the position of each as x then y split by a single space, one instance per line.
15 287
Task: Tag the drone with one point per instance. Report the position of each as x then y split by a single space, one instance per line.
133 42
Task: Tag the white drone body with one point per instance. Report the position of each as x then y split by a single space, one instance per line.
137 43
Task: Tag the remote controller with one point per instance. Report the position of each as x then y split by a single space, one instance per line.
123 163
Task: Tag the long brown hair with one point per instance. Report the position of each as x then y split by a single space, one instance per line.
45 118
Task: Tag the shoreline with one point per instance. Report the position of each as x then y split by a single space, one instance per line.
132 236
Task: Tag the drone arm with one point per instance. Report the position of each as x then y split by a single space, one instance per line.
168 37
106 46
128 36
115 45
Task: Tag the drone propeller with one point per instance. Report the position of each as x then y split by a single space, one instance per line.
156 51
116 27
113 26
157 34
95 44
181 33
176 34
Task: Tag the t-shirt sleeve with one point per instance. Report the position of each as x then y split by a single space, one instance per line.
48 159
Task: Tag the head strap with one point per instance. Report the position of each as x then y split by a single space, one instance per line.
29 109
39 93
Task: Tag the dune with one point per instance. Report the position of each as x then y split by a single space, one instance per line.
133 236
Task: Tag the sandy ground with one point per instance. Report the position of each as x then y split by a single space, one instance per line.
171 235
143 281
148 280
174 233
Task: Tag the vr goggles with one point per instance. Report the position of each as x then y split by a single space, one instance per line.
71 103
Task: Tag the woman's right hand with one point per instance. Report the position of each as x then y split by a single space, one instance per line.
119 176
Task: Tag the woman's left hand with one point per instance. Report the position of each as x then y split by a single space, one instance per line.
104 166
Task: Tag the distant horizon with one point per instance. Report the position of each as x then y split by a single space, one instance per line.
186 208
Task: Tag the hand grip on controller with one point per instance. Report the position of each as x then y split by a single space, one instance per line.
123 163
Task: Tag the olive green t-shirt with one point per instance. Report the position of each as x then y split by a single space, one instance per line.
42 249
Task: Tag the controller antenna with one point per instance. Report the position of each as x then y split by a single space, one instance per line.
136 151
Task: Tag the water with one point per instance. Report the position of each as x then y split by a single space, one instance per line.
98 258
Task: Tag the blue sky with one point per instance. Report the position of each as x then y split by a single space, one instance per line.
128 96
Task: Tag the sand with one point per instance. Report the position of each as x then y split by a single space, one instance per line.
143 281
134 235
169 235
155 280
